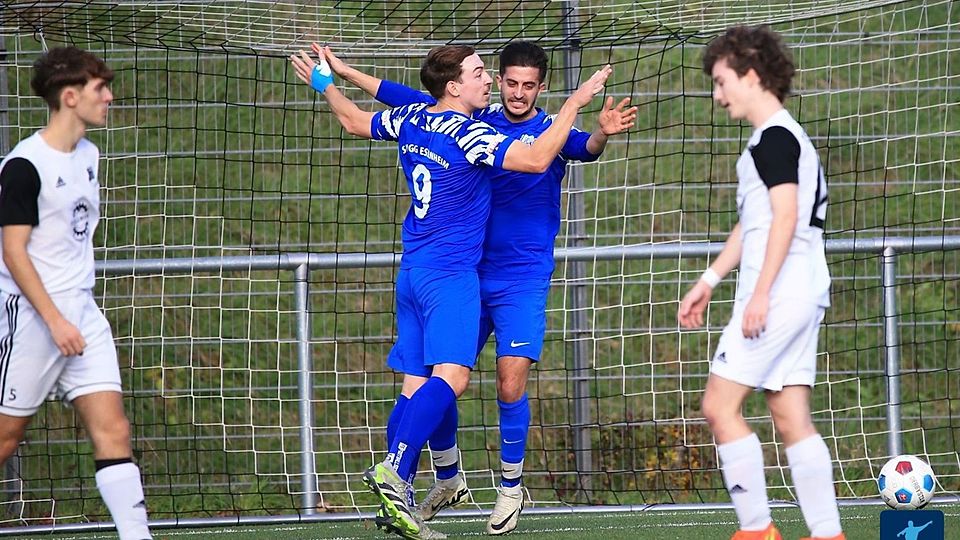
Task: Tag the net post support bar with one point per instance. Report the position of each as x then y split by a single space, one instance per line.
305 389
891 348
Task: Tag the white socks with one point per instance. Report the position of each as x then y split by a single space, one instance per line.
742 466
812 474
122 491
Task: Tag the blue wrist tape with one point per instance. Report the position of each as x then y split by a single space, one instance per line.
321 76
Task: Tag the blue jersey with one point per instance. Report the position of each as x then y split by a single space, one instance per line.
525 208
443 156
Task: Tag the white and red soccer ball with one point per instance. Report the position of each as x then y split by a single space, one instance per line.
906 483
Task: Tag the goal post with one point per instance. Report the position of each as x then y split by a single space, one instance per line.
257 388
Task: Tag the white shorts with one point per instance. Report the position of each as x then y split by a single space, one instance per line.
31 366
785 354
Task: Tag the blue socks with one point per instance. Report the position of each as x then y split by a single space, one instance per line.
395 416
514 427
443 446
420 420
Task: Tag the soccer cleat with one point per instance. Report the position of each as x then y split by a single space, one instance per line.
444 494
426 533
770 533
506 512
837 537
392 492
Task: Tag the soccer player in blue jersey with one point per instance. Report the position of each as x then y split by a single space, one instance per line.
443 153
517 261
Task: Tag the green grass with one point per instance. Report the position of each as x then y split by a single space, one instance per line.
860 523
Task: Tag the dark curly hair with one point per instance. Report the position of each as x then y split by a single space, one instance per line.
757 48
65 66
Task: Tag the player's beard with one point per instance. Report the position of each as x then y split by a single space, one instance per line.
513 117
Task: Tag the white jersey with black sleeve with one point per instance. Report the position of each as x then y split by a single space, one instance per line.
58 194
780 152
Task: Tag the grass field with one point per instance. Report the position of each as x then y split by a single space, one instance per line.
860 523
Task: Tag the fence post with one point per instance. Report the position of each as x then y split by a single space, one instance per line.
891 345
305 386
576 272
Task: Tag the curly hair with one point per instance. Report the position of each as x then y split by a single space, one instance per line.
65 66
758 48
441 66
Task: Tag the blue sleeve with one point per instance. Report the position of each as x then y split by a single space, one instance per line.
483 144
385 125
396 94
575 149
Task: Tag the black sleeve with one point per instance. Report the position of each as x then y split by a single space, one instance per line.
777 157
19 191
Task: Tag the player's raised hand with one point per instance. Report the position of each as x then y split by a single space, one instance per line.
693 305
315 73
592 87
67 337
617 119
336 64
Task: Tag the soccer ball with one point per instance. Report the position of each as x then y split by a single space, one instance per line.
906 483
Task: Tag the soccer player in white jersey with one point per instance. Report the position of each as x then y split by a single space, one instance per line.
783 288
53 337
443 153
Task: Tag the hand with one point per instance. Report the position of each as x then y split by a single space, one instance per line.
693 305
615 120
337 65
67 337
592 87
317 74
755 315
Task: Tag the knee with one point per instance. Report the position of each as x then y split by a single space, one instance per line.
8 447
112 436
512 374
459 384
715 412
510 390
792 429
458 379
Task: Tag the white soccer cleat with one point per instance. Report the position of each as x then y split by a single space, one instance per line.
506 512
444 494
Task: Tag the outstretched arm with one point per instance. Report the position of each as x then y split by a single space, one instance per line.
387 92
611 121
538 156
351 117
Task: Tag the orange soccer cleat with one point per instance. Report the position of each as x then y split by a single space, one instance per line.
770 533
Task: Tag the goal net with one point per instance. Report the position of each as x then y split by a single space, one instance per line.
213 148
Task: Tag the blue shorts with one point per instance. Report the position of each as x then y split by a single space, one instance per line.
516 312
438 314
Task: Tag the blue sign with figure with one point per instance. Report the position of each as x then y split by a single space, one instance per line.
911 525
